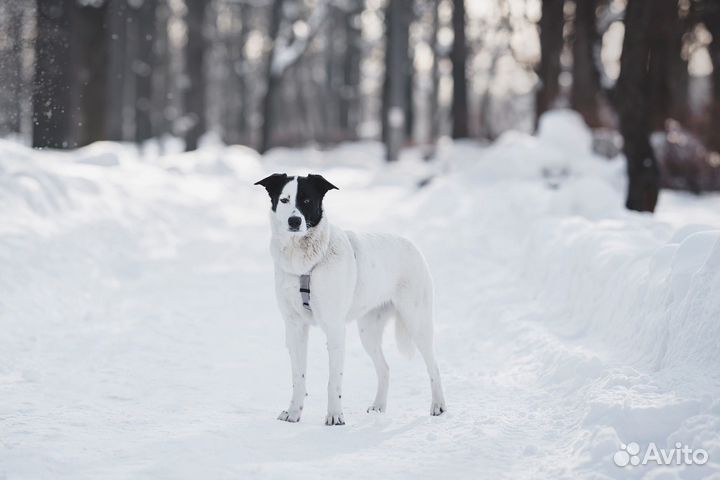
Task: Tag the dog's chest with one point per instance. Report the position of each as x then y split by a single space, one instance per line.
288 287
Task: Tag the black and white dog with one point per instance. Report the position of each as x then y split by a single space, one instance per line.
327 277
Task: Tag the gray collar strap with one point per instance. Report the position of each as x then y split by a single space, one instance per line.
305 291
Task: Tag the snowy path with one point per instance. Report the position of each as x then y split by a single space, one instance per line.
141 338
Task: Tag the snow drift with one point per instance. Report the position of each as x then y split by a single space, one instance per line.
140 336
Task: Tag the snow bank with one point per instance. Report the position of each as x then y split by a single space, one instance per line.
141 337
639 299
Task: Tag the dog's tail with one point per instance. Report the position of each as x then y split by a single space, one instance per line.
403 339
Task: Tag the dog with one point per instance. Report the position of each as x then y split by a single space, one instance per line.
327 277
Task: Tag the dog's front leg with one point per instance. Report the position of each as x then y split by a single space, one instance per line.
296 339
336 356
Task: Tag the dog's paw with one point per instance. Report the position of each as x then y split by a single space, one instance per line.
437 408
292 417
376 409
334 419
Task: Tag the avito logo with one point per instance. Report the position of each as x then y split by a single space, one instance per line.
680 455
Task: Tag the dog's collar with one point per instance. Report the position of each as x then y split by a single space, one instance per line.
305 291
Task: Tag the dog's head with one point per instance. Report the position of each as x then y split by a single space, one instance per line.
296 201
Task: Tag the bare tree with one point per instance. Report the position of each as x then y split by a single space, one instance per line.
711 19
435 78
11 74
235 110
89 53
195 73
115 95
143 67
334 48
634 107
286 50
668 71
459 61
385 94
409 90
551 44
271 79
586 77
70 74
399 15
162 75
52 94
349 100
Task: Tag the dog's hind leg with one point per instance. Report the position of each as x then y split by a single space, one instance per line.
425 345
417 318
370 328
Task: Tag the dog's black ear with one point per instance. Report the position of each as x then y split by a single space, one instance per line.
274 185
320 184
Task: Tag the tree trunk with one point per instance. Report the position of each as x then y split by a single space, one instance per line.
331 106
396 52
486 131
712 23
385 100
586 78
434 100
116 76
11 74
409 94
459 60
245 110
272 81
89 52
551 44
195 73
161 72
143 68
349 105
634 108
52 96
235 110
669 75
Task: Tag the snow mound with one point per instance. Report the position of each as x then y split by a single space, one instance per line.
141 337
106 154
566 131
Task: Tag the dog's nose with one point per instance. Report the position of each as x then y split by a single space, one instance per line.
294 222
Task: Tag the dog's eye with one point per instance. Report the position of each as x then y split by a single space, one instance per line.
284 200
306 201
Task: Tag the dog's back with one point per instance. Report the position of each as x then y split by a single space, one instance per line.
390 269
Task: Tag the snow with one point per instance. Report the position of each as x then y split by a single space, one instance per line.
141 338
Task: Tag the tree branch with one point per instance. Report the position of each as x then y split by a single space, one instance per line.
286 55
